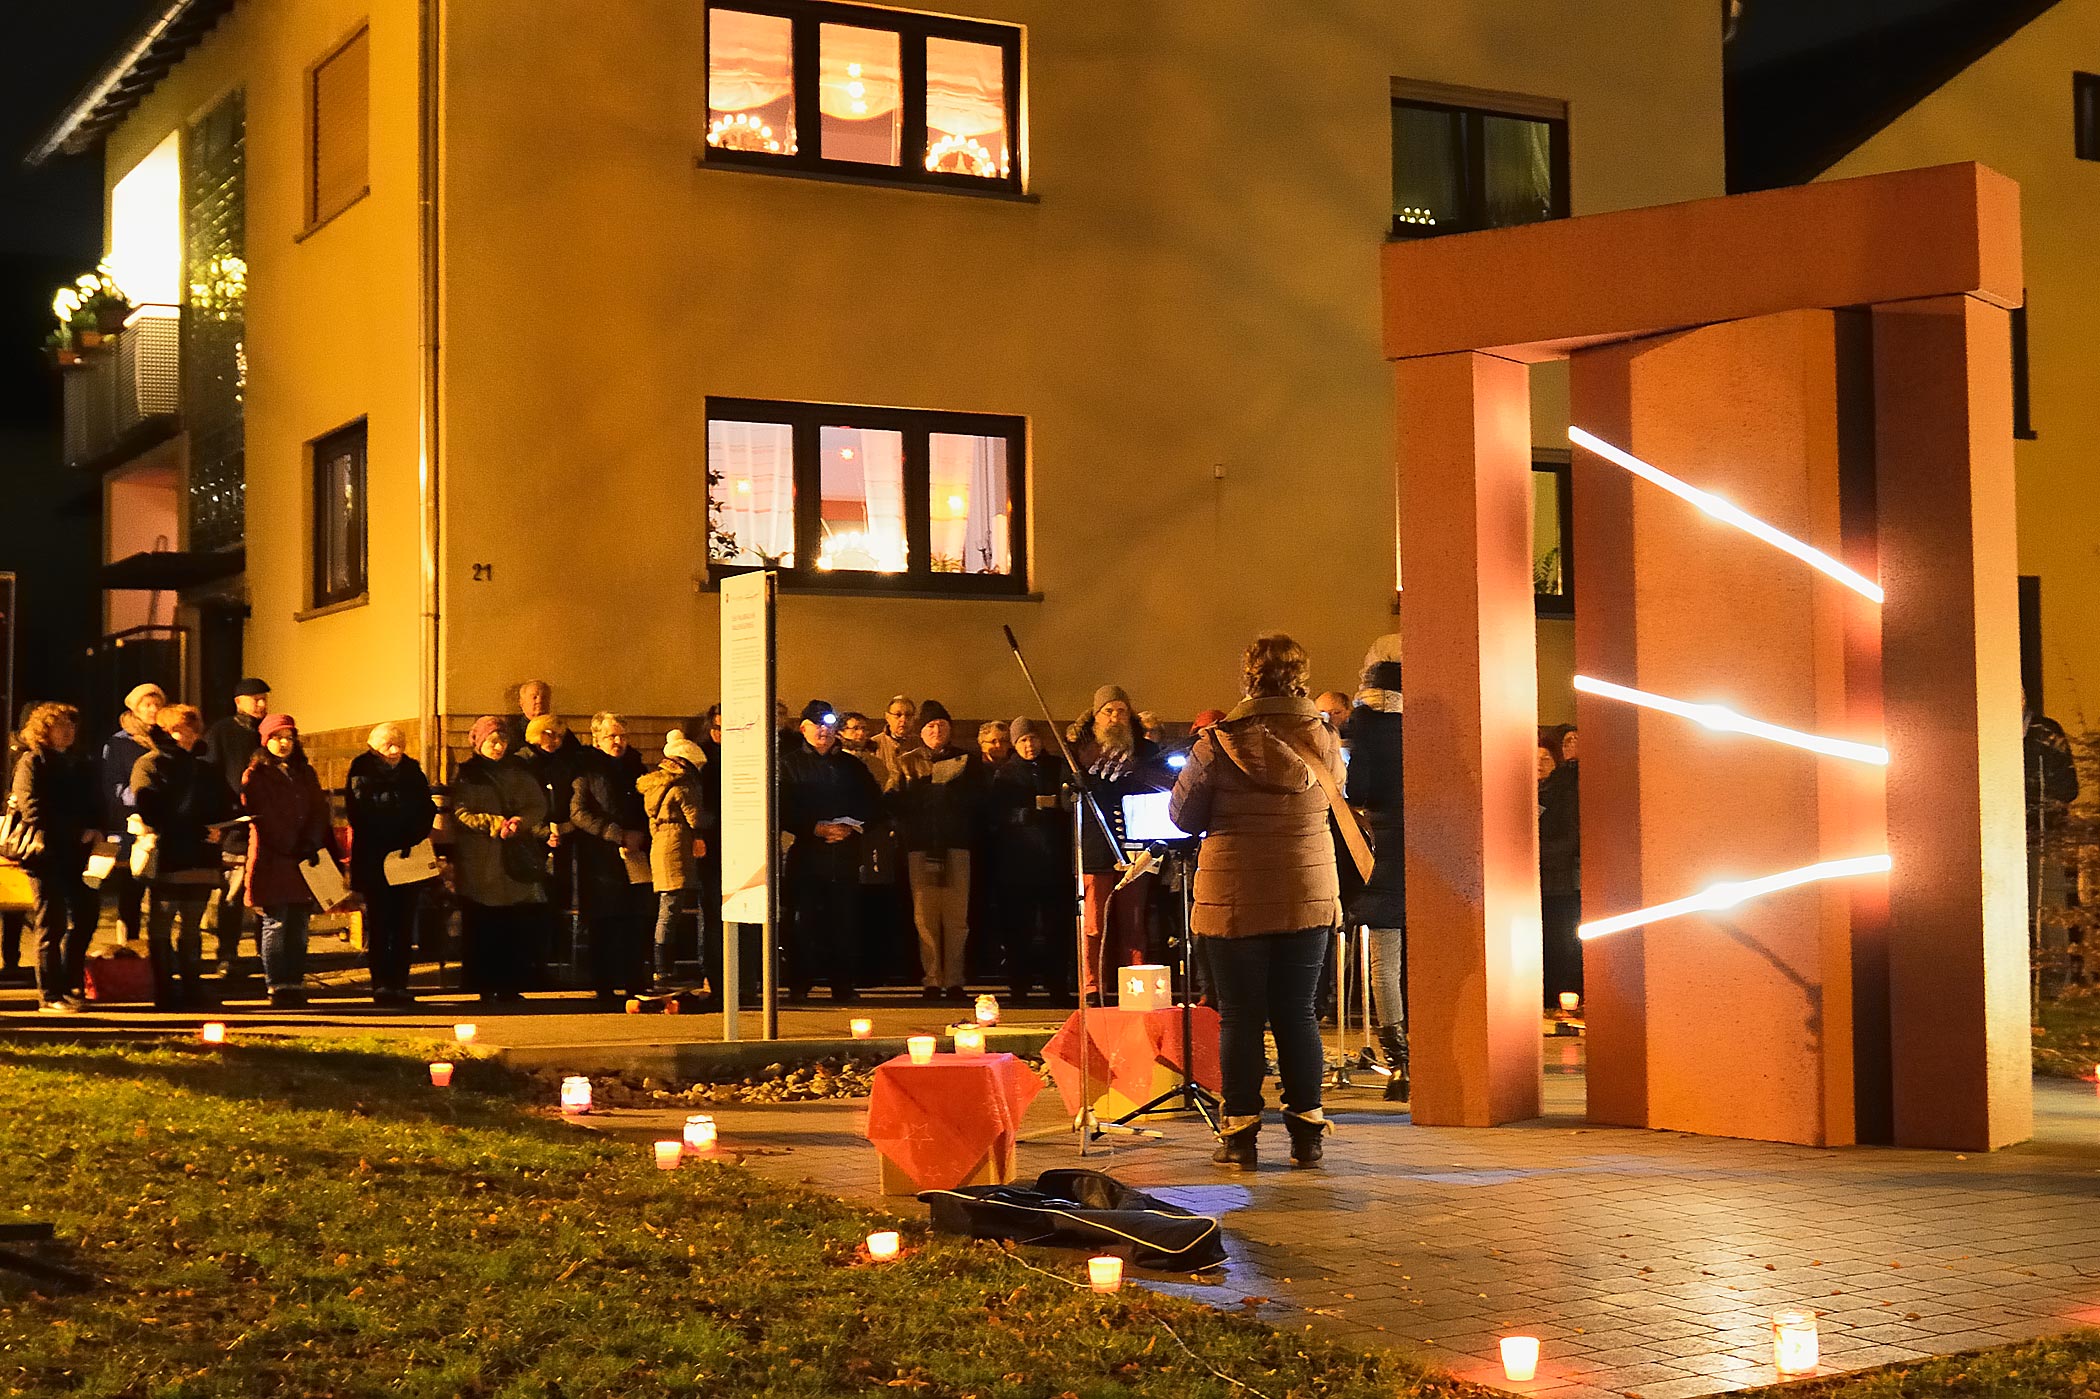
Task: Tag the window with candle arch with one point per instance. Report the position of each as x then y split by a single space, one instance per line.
871 499
816 87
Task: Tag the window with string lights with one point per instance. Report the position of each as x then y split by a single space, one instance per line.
1459 168
814 88
867 499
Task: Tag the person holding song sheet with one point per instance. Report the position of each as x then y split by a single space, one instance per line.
500 837
178 797
619 904
827 803
282 796
391 814
938 797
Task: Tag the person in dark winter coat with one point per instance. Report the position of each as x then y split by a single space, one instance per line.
1032 832
120 754
556 759
178 797
55 793
501 835
619 906
389 804
1266 895
1118 761
1379 906
292 824
680 828
229 744
1560 866
828 801
937 796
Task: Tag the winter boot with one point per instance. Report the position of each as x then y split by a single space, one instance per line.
1236 1143
1306 1130
1393 1040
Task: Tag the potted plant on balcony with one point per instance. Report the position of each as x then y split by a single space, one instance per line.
59 346
93 307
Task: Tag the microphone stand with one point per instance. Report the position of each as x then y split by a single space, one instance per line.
1086 1124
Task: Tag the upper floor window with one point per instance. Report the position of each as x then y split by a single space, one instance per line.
1552 531
813 86
338 98
884 499
339 517
2085 107
1459 166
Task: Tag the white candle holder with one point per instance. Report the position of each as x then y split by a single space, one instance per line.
862 1029
920 1048
441 1074
987 1010
212 1032
464 1034
883 1246
1795 1350
1520 1357
700 1132
1146 987
668 1155
1571 1001
575 1094
1105 1274
969 1040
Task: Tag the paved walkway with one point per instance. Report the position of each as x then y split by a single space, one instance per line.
1649 1263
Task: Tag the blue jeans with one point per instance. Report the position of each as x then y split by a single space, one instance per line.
671 905
284 945
1269 982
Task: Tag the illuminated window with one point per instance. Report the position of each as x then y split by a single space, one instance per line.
823 88
338 129
339 516
874 499
2085 109
145 229
1457 169
1552 521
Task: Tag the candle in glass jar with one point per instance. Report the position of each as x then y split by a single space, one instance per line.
212 1032
1520 1357
862 1029
464 1033
920 1047
969 1040
1104 1274
441 1074
1570 1001
882 1247
668 1154
1794 1348
700 1132
987 1010
576 1094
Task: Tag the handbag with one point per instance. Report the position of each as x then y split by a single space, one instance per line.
20 842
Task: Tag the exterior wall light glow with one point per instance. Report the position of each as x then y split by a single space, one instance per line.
1729 514
1721 719
1729 893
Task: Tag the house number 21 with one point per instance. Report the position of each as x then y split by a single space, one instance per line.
484 573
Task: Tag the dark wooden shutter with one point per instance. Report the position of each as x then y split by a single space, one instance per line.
341 128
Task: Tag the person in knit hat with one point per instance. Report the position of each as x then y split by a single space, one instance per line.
619 903
828 801
679 825
388 801
500 838
132 741
938 799
1032 839
1117 760
291 823
556 760
1380 905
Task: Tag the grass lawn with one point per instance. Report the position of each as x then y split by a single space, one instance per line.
317 1220
2067 1035
2064 1368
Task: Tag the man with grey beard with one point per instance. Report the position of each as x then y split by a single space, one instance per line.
1117 760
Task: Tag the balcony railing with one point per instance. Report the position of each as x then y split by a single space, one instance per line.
123 390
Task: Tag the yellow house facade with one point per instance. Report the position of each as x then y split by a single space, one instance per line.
2027 103
1066 320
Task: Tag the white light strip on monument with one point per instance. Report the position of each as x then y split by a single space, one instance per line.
1722 719
1729 514
1729 893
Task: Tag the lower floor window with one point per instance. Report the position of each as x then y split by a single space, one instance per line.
865 497
339 516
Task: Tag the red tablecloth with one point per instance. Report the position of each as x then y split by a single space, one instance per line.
1122 1046
935 1122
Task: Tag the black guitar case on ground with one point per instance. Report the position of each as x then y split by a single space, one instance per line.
1084 1210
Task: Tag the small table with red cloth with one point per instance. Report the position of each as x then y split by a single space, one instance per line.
949 1122
1132 1056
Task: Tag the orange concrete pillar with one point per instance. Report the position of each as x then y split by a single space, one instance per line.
1467 614
1958 993
1739 1022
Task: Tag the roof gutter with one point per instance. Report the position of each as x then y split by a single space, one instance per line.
150 32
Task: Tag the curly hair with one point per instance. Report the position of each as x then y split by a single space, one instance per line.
1273 667
174 716
36 729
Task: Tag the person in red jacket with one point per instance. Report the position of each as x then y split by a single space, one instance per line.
292 825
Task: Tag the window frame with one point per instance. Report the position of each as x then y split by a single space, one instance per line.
1558 606
913 30
2022 384
2085 115
1475 108
315 216
320 450
916 425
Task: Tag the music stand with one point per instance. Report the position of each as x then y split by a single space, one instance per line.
1146 821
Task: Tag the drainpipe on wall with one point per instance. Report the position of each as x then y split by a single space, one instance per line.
430 655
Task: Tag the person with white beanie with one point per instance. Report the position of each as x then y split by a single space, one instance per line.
679 817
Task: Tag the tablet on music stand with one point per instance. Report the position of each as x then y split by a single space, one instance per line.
1146 822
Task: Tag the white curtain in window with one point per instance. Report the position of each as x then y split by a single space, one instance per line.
858 74
884 482
752 503
750 60
966 89
968 503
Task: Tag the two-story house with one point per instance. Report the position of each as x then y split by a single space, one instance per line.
2015 85
507 330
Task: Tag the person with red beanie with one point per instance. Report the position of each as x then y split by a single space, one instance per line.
282 795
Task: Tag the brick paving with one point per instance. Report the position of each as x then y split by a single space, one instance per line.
1648 1263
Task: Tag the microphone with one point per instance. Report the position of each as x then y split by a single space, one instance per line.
1140 867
